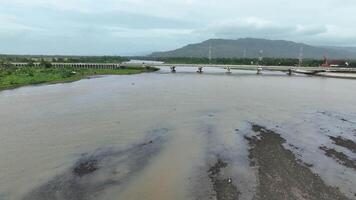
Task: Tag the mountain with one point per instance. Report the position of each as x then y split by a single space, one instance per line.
351 49
251 48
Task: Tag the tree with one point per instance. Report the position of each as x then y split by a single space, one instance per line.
30 63
6 64
45 64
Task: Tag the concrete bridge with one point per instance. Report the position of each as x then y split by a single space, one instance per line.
200 67
259 69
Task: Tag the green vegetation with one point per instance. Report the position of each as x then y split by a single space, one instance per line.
12 77
63 59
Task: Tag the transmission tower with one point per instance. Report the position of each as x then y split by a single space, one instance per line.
209 53
301 57
260 58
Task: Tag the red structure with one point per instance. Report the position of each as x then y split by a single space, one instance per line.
333 63
326 62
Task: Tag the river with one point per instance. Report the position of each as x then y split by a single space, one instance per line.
160 136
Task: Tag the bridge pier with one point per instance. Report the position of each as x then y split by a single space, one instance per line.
290 72
228 70
259 70
173 69
200 70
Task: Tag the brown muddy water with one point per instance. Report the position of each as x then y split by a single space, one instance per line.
162 136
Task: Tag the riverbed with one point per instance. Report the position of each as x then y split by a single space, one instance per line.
183 135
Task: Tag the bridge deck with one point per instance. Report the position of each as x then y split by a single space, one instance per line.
269 68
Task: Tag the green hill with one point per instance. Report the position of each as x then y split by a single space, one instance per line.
251 48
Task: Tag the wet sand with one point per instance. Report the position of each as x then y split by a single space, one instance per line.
340 157
280 175
340 141
223 187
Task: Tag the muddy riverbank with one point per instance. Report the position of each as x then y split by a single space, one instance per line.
280 175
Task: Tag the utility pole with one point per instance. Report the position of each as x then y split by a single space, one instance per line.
244 54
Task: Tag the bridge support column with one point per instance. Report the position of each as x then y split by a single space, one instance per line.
290 72
173 69
200 70
228 70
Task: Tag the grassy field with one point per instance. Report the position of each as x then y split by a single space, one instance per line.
16 77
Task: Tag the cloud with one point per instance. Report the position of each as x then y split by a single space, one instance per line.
335 35
251 26
143 33
11 26
48 25
77 5
310 29
258 27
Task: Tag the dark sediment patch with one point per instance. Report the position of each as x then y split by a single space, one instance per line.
223 187
339 157
85 167
340 141
336 116
93 173
280 176
215 170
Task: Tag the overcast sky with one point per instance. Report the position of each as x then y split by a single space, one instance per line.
126 27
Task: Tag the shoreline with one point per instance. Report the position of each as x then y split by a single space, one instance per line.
95 73
87 75
336 75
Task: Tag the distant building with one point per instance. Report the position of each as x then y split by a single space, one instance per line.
334 63
337 63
